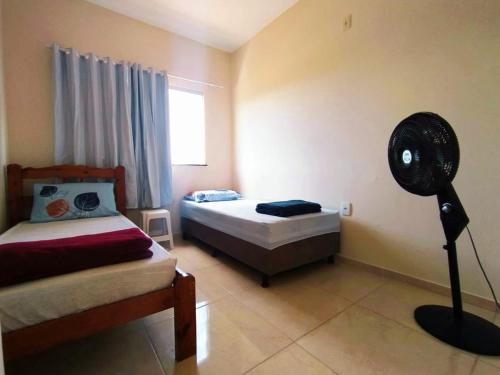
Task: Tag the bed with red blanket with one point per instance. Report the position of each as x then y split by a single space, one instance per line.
22 261
64 280
71 272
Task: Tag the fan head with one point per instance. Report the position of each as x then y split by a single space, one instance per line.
423 153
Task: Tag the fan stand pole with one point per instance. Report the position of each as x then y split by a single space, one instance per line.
456 293
455 326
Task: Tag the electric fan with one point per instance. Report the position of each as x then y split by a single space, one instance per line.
423 156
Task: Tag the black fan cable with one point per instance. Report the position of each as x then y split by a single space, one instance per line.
483 271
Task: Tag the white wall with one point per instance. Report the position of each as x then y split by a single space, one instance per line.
314 107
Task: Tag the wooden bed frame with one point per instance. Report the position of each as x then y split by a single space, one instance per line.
267 262
180 295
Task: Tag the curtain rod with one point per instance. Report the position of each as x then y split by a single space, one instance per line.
210 84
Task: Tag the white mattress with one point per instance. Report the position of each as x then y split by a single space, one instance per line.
238 218
36 301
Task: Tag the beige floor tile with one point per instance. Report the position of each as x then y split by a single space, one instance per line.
295 311
310 274
397 300
231 340
124 350
292 361
350 282
359 341
343 279
192 258
184 264
485 369
196 256
495 361
231 275
207 290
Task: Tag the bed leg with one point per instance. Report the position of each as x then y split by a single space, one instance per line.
185 317
330 259
265 281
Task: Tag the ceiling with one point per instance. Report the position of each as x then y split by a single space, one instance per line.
223 24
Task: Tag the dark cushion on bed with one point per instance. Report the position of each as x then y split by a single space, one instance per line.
25 261
288 208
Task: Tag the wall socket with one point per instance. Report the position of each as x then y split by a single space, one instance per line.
346 208
347 22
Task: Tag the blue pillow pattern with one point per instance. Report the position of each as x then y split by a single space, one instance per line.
54 202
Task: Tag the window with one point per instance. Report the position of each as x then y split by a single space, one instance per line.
187 127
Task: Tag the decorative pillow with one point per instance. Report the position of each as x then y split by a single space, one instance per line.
212 195
54 202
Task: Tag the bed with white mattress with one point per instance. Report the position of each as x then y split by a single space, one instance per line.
33 302
270 244
48 311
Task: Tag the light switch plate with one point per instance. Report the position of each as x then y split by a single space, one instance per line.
346 208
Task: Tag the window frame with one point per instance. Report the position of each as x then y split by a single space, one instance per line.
197 92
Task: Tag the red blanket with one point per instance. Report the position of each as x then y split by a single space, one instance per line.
24 261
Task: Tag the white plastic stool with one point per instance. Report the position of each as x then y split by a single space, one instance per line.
148 215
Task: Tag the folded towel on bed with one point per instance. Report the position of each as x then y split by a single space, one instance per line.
288 208
25 261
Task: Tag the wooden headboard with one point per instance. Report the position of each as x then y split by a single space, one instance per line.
19 205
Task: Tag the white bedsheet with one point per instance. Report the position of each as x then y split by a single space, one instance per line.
36 301
238 218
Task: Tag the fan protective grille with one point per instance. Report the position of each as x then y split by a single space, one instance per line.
423 153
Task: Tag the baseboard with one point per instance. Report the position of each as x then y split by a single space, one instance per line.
424 284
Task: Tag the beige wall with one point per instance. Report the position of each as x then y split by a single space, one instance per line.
29 26
3 135
314 107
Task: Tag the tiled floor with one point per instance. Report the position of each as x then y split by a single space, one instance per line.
321 319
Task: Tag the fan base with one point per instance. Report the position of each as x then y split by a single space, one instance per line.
470 332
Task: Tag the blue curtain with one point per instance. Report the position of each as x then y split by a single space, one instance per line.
108 114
